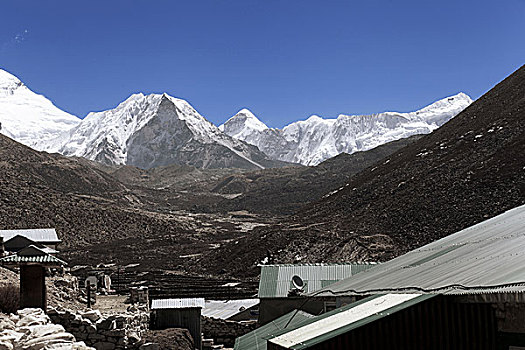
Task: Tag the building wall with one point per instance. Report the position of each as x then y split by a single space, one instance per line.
32 286
511 324
225 331
437 323
189 318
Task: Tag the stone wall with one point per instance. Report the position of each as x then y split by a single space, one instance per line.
103 332
32 329
225 332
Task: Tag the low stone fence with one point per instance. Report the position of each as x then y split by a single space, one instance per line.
32 329
103 332
225 332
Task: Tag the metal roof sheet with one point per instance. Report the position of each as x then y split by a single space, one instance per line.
41 235
484 257
183 303
276 280
49 250
345 319
40 259
224 309
256 340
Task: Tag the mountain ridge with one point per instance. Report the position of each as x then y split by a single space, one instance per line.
316 139
158 129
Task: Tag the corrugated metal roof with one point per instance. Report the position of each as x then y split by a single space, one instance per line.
183 303
345 319
482 258
41 235
224 309
256 340
41 259
276 280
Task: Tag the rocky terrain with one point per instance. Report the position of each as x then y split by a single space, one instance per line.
171 338
269 192
183 219
286 190
470 169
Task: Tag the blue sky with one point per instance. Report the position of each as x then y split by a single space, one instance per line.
284 60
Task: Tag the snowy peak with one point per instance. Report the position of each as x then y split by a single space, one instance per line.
443 110
8 83
242 125
27 117
316 139
156 130
103 135
159 129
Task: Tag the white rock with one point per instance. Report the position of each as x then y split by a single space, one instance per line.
4 345
150 346
41 342
7 324
39 331
92 315
33 320
30 311
11 335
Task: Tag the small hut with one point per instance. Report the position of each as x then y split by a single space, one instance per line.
179 313
32 262
44 238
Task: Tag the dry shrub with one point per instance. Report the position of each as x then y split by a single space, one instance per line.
9 298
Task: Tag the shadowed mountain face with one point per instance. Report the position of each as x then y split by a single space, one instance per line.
124 214
156 130
271 192
286 190
85 204
470 169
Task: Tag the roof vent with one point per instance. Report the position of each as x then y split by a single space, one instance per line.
298 286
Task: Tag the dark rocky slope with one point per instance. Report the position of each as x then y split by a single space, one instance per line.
270 192
470 169
86 205
286 190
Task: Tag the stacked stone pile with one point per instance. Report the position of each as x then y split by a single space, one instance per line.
32 329
104 332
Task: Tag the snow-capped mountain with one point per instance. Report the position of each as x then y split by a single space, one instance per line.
27 117
243 125
314 140
156 130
